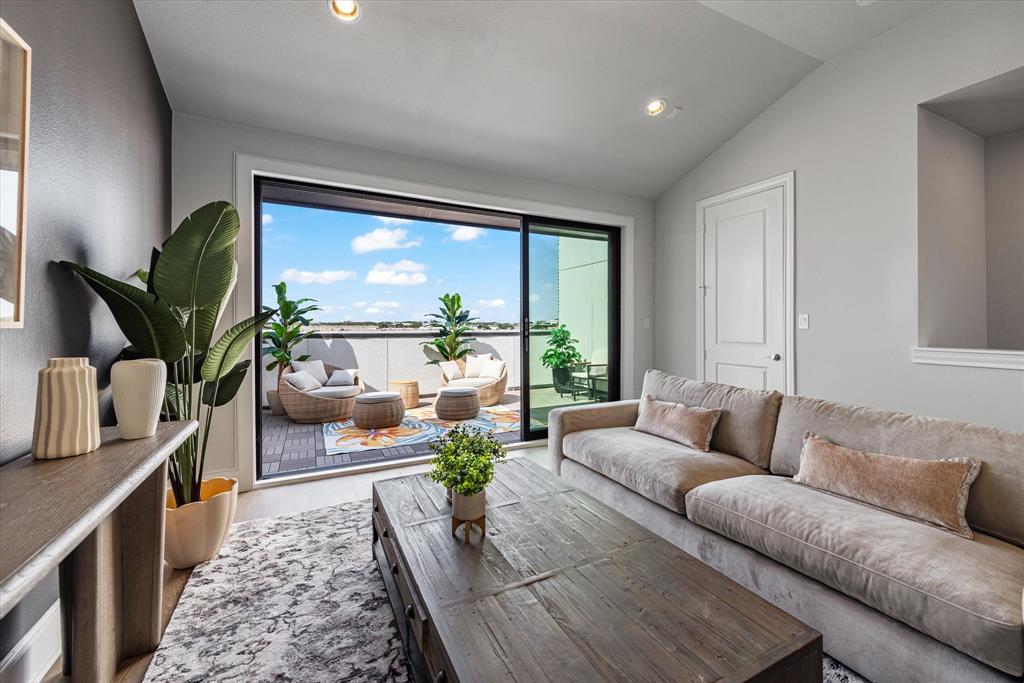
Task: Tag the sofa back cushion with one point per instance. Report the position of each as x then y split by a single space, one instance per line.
747 424
996 503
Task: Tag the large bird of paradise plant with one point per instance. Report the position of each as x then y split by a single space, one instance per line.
452 342
188 284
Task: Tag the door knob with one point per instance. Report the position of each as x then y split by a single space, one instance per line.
774 356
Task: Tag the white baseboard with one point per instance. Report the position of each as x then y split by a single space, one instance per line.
36 652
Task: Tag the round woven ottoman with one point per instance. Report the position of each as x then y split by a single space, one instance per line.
378 409
457 403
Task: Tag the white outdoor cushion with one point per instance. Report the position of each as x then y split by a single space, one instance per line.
493 369
314 367
451 370
336 392
302 380
474 364
378 397
471 382
453 392
342 378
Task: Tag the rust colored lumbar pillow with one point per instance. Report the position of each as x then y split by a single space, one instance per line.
689 426
931 491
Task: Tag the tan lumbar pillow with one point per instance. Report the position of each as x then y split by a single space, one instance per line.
691 427
930 491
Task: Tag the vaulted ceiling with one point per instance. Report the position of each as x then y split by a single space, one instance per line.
551 90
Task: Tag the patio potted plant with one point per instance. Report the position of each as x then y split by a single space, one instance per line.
463 462
452 342
562 357
173 319
282 334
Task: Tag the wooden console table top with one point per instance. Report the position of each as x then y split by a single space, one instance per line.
48 507
565 588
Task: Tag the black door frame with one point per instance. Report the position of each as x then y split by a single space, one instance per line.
614 235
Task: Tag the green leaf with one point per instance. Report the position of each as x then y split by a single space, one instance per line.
227 387
230 347
197 265
206 319
147 323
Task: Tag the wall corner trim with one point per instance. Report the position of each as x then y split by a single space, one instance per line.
36 652
970 358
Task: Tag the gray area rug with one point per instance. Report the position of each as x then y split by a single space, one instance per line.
296 598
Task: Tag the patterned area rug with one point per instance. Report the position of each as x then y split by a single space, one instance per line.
297 598
420 425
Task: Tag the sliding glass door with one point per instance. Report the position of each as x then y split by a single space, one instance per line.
571 318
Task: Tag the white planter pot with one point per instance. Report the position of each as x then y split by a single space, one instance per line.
67 410
195 532
138 388
465 508
274 401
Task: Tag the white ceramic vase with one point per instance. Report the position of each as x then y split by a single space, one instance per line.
138 388
67 410
195 532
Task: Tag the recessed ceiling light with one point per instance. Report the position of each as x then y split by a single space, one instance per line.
655 107
345 10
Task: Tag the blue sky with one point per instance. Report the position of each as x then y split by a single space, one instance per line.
362 267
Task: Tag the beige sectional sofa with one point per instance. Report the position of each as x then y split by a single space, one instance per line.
895 599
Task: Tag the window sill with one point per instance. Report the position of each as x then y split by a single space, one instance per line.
971 358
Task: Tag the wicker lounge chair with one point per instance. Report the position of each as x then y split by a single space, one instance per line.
306 408
490 393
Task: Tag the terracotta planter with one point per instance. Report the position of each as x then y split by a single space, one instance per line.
195 532
274 401
467 512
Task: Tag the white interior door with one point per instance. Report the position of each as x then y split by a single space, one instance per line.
744 290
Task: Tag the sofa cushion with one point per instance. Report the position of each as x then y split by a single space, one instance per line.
314 367
301 380
965 593
691 427
660 470
996 503
337 391
747 425
472 382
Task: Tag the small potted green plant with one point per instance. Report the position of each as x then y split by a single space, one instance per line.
453 342
562 357
282 334
463 461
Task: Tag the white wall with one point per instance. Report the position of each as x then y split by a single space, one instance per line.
203 169
849 130
951 272
1004 172
583 295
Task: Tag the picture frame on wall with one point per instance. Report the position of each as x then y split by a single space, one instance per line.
15 93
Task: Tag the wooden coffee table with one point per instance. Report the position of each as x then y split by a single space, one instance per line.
565 588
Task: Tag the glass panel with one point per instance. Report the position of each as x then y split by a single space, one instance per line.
568 313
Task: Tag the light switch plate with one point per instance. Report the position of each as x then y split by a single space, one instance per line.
647 323
803 321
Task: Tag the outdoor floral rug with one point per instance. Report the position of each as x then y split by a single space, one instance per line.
420 425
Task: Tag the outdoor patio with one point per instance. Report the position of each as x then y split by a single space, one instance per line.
291 448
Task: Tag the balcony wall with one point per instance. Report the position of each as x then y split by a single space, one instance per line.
382 356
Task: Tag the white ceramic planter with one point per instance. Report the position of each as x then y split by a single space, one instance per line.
67 410
138 388
195 532
274 401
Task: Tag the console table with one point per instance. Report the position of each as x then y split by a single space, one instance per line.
99 517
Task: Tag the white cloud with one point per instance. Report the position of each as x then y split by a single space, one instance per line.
534 298
383 238
373 309
465 233
386 304
404 272
323 277
492 303
392 220
359 304
267 219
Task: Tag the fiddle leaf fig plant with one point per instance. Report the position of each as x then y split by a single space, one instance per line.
284 331
452 341
464 459
188 284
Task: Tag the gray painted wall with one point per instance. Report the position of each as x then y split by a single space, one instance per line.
1004 173
951 272
98 192
849 130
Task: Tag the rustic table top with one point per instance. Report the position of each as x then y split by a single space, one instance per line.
564 587
47 507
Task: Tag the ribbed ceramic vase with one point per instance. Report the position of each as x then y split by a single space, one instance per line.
138 388
67 410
